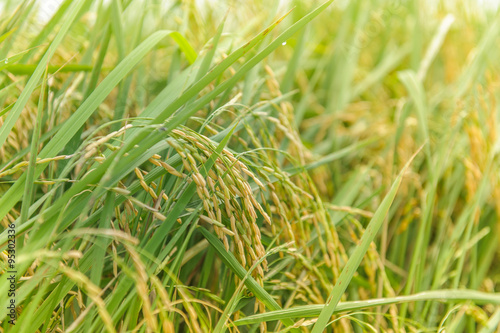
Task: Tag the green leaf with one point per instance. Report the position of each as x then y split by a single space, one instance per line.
229 259
306 311
358 254
21 69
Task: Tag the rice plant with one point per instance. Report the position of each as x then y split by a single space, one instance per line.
296 166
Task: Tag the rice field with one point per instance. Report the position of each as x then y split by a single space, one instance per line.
249 166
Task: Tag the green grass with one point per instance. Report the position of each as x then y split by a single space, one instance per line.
175 166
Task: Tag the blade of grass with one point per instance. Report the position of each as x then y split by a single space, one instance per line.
305 311
30 175
358 254
229 259
22 69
